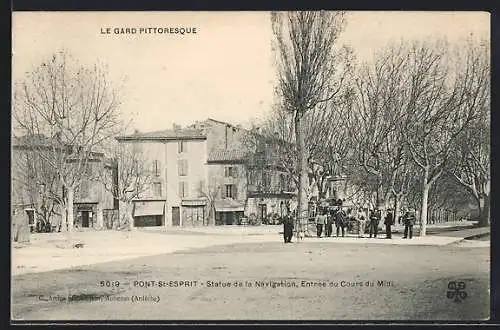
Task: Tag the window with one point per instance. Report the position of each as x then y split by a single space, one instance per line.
84 189
183 167
157 189
183 189
231 191
228 171
156 168
182 146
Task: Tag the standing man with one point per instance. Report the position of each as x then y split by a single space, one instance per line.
288 228
388 222
340 221
409 222
319 223
374 221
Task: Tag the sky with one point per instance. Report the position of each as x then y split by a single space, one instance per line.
223 71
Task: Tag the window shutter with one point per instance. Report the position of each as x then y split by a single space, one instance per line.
235 191
183 167
235 172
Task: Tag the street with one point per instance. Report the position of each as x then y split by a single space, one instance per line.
267 281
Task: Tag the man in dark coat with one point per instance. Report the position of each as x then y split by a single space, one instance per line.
374 221
388 222
340 221
409 222
287 228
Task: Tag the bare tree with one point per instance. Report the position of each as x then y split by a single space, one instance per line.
403 180
133 174
309 71
379 96
435 116
75 107
211 192
471 152
328 141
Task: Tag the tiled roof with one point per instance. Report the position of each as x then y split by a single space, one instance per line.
226 155
167 134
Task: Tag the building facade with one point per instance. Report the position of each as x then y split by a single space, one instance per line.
174 196
94 202
204 175
38 191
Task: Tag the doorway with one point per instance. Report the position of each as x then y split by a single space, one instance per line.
176 216
229 218
85 219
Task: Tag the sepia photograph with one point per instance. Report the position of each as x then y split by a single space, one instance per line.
253 165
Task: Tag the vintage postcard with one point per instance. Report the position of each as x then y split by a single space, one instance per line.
320 165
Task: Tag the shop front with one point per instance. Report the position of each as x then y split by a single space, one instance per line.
193 212
229 212
149 213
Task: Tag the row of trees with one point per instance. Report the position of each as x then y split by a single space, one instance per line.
66 115
408 126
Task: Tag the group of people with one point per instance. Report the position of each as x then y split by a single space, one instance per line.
343 220
327 218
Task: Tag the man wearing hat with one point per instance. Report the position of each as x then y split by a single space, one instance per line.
409 222
374 221
288 228
388 222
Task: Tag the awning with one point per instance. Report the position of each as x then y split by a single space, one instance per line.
229 205
194 202
148 208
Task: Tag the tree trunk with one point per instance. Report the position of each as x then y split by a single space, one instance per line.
484 211
397 207
126 217
423 208
69 207
321 192
130 216
380 198
211 215
302 207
